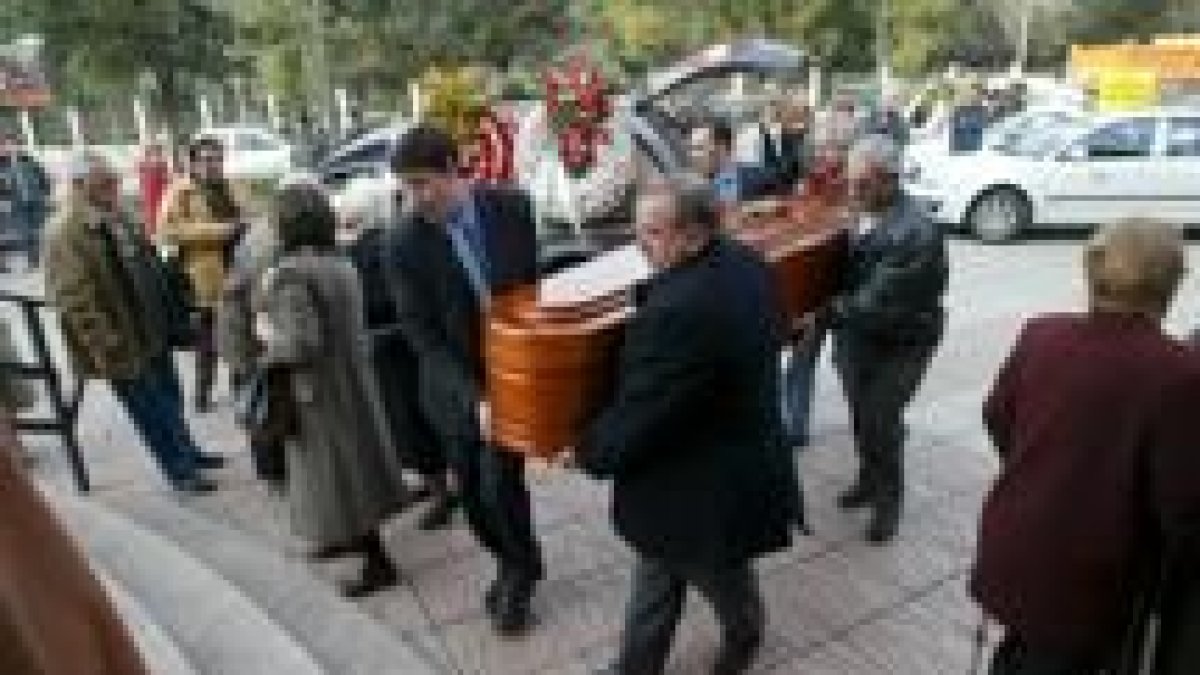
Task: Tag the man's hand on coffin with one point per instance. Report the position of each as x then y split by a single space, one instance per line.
485 421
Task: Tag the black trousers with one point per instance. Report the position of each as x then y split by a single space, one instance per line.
656 605
1015 657
496 501
880 380
206 354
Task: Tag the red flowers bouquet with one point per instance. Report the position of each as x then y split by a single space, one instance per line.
576 110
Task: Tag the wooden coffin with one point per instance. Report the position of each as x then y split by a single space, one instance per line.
550 366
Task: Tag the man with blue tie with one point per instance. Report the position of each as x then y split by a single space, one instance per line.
713 158
459 245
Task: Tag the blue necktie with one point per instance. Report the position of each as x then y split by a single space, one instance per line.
465 236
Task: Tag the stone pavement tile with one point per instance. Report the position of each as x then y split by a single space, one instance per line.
812 603
831 659
950 524
454 588
574 616
918 639
400 610
418 550
906 564
697 643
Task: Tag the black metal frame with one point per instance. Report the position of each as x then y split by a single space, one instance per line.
65 407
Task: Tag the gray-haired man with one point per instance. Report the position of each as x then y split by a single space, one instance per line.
887 324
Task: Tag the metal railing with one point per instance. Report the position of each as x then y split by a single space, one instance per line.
64 405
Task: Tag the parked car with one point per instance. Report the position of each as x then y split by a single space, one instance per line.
359 174
1096 170
922 155
252 152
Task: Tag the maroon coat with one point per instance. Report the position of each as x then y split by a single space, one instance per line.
1097 419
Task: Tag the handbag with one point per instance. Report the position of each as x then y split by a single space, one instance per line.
265 407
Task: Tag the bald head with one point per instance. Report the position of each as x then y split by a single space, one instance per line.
93 178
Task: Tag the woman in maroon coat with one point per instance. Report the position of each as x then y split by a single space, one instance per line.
1095 418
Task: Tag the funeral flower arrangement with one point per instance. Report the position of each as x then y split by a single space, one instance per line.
577 109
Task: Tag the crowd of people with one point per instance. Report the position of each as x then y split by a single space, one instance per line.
354 352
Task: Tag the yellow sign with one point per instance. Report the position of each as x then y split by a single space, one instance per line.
1173 59
1119 90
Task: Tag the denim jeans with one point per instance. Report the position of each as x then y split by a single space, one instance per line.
799 380
154 403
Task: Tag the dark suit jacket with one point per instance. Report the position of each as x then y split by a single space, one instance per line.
693 437
785 157
755 182
394 360
895 280
1094 417
438 312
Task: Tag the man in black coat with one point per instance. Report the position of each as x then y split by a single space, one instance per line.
887 324
785 145
692 438
714 158
459 246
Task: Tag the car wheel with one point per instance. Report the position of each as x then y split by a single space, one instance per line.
999 216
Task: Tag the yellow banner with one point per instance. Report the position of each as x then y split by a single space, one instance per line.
1120 90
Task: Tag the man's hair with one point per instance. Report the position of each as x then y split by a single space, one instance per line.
696 207
304 219
721 132
425 148
1135 266
204 143
874 151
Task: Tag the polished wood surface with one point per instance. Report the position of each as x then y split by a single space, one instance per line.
549 368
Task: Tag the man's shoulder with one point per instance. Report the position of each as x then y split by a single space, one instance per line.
500 194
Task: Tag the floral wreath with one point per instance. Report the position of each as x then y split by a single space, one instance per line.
576 111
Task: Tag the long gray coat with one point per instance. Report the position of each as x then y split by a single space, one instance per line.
344 477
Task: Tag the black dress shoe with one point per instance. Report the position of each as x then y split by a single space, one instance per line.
493 596
514 618
210 462
334 551
194 485
736 659
374 579
885 524
859 496
440 514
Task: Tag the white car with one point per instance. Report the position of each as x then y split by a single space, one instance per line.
252 152
924 154
1107 168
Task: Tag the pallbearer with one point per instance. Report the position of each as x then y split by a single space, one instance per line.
461 245
692 437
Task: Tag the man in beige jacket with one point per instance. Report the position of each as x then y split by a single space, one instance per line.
202 218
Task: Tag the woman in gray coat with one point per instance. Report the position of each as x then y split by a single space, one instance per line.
344 477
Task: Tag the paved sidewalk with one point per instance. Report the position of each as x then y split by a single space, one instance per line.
836 605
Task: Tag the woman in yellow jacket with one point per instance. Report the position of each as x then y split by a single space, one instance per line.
201 218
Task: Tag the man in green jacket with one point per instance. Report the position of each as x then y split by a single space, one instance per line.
105 281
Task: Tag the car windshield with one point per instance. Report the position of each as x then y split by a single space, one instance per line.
1036 143
1013 131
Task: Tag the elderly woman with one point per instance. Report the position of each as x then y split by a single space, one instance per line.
1093 416
344 476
